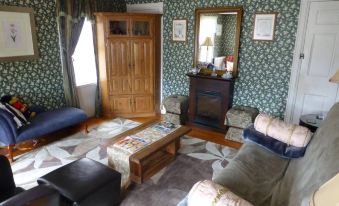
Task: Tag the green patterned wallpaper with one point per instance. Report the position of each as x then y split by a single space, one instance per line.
229 27
224 44
39 82
264 67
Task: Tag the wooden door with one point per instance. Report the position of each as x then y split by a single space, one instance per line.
121 104
143 104
143 66
119 72
315 93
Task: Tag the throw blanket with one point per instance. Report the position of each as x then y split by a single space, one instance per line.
208 193
290 134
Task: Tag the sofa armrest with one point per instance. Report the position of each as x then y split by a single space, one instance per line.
37 109
37 196
8 130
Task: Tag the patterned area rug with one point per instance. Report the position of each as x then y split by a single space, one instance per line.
197 160
30 166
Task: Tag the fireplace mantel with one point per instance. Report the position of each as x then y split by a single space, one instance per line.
209 99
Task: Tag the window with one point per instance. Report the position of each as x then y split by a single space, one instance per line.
84 58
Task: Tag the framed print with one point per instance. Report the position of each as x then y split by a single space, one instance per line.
264 26
179 30
17 34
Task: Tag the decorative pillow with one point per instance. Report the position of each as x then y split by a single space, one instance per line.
280 148
18 117
290 134
19 105
208 193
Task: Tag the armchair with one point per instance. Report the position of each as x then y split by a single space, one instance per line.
12 195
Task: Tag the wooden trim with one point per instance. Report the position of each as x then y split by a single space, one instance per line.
121 14
157 64
10 149
239 11
274 25
33 32
102 64
296 64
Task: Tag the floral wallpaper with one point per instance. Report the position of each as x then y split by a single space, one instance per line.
229 27
111 5
224 44
264 67
40 82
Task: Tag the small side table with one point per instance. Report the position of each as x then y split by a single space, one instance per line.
311 121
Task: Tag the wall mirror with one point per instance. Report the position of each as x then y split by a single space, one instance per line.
217 36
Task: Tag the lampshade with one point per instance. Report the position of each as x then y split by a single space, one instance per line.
327 194
335 77
207 42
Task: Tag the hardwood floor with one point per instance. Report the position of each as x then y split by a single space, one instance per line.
92 122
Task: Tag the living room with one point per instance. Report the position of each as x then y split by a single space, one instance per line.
224 102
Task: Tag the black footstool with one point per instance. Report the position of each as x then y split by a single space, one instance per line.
85 182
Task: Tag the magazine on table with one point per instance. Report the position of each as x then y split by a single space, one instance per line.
164 126
131 143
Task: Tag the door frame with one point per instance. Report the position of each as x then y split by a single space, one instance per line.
297 61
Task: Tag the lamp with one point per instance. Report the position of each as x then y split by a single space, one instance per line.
335 78
327 194
208 42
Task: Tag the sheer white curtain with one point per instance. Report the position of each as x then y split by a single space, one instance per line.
208 28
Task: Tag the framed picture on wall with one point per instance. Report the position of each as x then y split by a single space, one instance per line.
18 39
179 30
264 26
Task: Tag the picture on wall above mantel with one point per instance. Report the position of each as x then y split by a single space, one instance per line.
179 30
264 26
18 39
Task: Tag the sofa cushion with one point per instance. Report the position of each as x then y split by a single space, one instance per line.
320 163
253 173
290 134
51 121
280 148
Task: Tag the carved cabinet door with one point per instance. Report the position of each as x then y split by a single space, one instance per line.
142 64
119 72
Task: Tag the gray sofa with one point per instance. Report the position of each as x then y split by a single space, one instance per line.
264 178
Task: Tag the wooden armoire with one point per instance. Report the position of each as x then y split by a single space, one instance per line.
129 50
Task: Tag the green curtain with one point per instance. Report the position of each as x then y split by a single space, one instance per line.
71 15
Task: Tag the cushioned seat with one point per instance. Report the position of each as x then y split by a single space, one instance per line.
265 179
258 170
44 123
51 121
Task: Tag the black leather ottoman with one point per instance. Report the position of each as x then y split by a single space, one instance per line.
85 182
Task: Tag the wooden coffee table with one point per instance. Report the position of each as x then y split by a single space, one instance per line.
146 162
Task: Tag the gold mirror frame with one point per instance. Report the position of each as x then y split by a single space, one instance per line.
199 11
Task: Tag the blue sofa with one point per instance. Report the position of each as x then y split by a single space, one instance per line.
44 123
